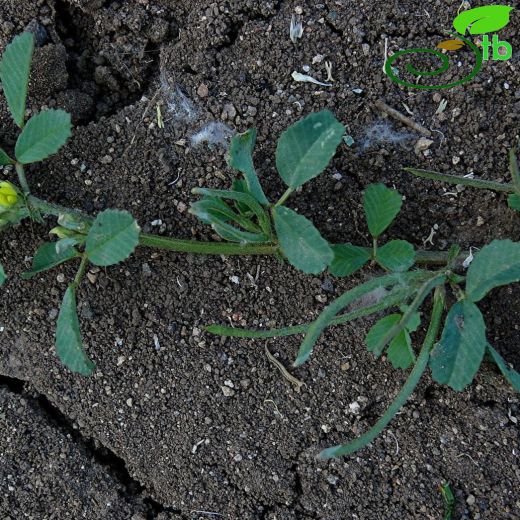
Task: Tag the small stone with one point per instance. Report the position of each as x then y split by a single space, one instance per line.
455 160
129 402
422 144
321 298
480 221
60 278
237 457
470 500
91 278
120 360
229 112
325 428
298 10
181 207
203 90
229 383
228 392
354 407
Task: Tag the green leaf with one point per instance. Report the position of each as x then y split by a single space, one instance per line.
47 257
43 135
482 20
240 157
69 346
405 392
348 259
301 242
415 320
378 331
65 244
400 352
112 238
73 222
512 376
4 158
305 149
494 265
381 207
15 67
402 282
409 316
397 256
455 360
213 210
3 276
233 234
513 201
242 198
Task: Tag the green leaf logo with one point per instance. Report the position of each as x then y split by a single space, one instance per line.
482 20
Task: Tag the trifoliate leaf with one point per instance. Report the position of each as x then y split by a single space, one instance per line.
43 135
15 67
241 158
112 238
397 256
400 352
348 259
456 358
381 207
496 264
69 345
305 149
48 257
301 242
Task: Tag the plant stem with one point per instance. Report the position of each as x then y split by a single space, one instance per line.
214 248
81 271
374 248
205 248
57 210
22 178
285 196
406 390
466 181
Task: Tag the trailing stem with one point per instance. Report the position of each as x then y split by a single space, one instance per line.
407 389
209 248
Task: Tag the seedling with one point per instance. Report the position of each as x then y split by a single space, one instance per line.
250 224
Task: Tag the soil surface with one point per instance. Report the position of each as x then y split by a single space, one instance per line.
176 423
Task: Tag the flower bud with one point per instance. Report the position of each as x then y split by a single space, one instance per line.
8 195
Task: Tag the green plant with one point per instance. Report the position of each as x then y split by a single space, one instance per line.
251 225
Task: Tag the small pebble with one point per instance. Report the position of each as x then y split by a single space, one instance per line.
203 90
228 392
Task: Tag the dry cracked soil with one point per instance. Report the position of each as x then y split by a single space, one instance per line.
176 423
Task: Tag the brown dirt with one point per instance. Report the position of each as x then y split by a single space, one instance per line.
180 445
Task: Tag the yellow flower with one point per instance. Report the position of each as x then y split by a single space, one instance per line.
8 194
